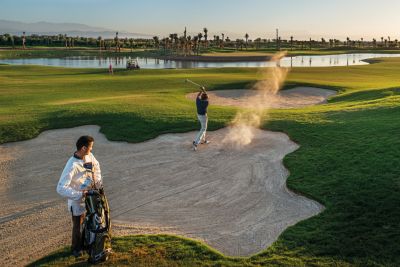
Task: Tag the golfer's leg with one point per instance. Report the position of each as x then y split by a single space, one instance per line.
202 130
205 129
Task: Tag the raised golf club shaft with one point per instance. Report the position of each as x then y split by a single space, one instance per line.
187 80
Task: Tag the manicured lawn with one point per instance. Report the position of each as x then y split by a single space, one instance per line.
348 159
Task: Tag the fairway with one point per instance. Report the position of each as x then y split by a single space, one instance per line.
347 158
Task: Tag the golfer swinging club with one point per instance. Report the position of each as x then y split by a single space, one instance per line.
202 105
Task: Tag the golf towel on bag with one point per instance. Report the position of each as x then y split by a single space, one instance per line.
97 226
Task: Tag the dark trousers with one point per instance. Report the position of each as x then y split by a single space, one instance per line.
77 222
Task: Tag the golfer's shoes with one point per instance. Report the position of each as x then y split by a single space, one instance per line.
194 146
206 142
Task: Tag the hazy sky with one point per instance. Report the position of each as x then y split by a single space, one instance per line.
260 18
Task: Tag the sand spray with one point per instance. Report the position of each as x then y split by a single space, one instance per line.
243 126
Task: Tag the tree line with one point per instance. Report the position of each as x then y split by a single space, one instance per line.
185 44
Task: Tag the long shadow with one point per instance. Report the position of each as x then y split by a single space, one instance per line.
367 95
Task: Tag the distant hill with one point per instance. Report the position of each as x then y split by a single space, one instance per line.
71 29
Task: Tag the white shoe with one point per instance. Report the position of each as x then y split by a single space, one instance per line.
194 146
205 142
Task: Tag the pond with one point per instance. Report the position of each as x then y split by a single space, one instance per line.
153 63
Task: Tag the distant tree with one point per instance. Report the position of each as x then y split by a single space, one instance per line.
12 42
117 43
291 43
157 41
331 43
200 36
131 42
195 44
100 41
246 36
323 42
23 40
205 30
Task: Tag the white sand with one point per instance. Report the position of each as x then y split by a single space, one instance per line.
291 98
234 200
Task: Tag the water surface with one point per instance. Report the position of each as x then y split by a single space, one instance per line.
153 63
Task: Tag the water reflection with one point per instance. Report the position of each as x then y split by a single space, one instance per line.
153 63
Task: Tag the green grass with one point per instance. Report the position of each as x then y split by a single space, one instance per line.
348 159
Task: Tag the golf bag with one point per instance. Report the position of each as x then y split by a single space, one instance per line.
97 226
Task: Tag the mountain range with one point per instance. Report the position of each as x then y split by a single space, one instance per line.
70 29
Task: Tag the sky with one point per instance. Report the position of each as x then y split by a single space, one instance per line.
234 18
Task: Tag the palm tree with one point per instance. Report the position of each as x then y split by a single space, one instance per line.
382 40
200 36
157 41
116 39
12 41
131 43
172 37
196 43
23 40
362 42
291 42
223 40
99 39
323 42
246 36
205 30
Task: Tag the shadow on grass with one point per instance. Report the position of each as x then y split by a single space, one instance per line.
366 95
149 250
124 126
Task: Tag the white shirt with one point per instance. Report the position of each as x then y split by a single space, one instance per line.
75 179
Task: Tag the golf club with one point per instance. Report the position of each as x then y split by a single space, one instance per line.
201 87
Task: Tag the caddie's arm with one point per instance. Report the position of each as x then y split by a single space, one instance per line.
97 173
63 186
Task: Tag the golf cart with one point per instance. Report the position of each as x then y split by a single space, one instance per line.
132 64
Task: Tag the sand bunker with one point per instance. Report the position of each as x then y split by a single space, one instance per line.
291 98
234 200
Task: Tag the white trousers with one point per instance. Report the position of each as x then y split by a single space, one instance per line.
202 134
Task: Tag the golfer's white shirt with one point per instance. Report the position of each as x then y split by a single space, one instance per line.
74 179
